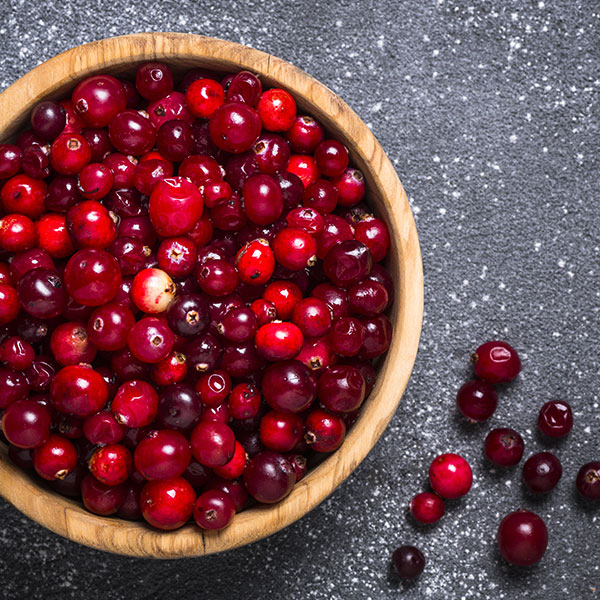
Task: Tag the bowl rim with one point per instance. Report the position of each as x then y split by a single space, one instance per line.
68 518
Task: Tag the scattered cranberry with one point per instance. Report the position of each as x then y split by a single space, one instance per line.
477 400
427 507
541 472
504 447
555 419
408 562
496 362
588 481
450 476
522 538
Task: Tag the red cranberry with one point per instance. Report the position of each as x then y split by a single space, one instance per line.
177 256
298 461
175 140
295 248
200 169
62 193
92 277
204 96
277 110
244 401
41 373
131 132
336 231
70 153
154 80
24 195
541 472
263 200
111 464
378 336
504 447
14 385
26 424
331 157
272 153
213 509
450 476
163 454
16 353
306 218
123 168
264 310
350 186
17 233
234 127
325 431
103 428
280 431
341 388
55 458
236 466
78 390
48 119
71 344
130 509
26 261
188 315
305 134
167 504
52 235
408 562
175 206
477 400
216 414
555 419
135 404
320 195
284 295
152 291
375 235
99 143
171 369
214 387
42 293
522 538
348 263
289 386
347 336
588 481
279 340
101 499
217 277
172 106
244 87
255 262
10 160
98 99
9 304
109 326
35 162
427 507
150 340
269 477
213 443
496 362
304 167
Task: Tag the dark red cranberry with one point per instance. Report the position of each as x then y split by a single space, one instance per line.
244 87
103 428
263 200
234 127
188 315
32 330
213 509
408 562
42 293
522 538
241 359
35 162
99 143
48 119
171 369
167 504
101 499
179 408
477 400
14 386
98 99
450 476
335 297
264 310
313 316
348 263
197 475
22 457
244 401
427 507
149 173
122 167
368 298
238 325
78 390
331 157
378 336
350 186
234 488
172 106
16 353
41 373
24 195
375 235
269 477
555 419
341 388
109 326
496 362
26 424
62 193
289 386
92 277
150 340
541 472
23 262
272 153
175 140
203 353
305 134
213 443
347 336
177 256
162 454
320 195
131 132
325 431
306 218
588 481
135 404
251 442
130 509
71 344
10 160
131 254
154 80
217 277
236 466
55 458
336 231
504 447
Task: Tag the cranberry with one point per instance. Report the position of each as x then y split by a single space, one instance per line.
172 106
135 404
263 199
336 231
541 472
277 110
70 153
305 134
504 447
175 206
588 481
331 157
103 428
450 476
131 132
348 263
325 431
42 293
255 262
109 326
427 507
167 504
26 424
52 235
295 248
98 99
35 162
111 464
101 499
90 225
95 181
217 414
152 291
555 419
306 218
16 353
92 277
292 189
204 353
264 310
204 96
139 228
130 509
496 362
251 442
234 127
24 195
14 385
163 454
350 186
477 400
272 153
78 390
238 325
336 298
284 295
279 340
123 168
236 466
41 373
217 277
9 304
154 80
188 315
280 431
179 408
197 475
71 345
522 538
10 160
375 235
244 87
26 261
171 369
341 388
17 233
99 143
213 443
214 387
213 509
200 169
320 195
378 336
175 140
244 401
269 477
55 458
304 167
62 193
347 336
150 340
289 386
408 562
177 256
48 119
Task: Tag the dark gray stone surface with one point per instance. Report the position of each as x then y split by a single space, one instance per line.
489 110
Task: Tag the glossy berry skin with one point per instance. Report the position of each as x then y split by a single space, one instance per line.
132 133
48 119
162 454
279 340
306 218
92 277
15 386
284 295
167 504
234 127
109 325
52 235
238 325
477 400
244 401
408 562
255 262
304 167
588 481
496 362
36 162
55 458
289 386
204 96
350 186
375 235
346 336
450 476
555 419
236 466
348 263
135 404
103 428
152 291
213 443
217 277
9 304
522 538
213 510
26 424
98 99
78 390
541 472
214 387
263 200
172 106
264 310
244 87
295 248
277 110
101 499
100 145
16 353
269 477
23 262
331 157
320 195
312 316
280 431
305 134
325 431
17 233
171 369
71 345
427 507
154 80
42 293
341 388
90 225
177 256
111 465
150 340
368 298
272 153
188 315
175 206
24 195
70 153
504 447
378 336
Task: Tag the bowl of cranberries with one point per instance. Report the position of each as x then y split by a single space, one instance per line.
210 294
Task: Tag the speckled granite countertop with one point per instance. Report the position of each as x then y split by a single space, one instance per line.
489 111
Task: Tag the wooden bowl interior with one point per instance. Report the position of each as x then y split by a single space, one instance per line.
120 56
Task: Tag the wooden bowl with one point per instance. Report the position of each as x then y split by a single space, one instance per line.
121 55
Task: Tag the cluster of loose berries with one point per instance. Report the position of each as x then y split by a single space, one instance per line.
191 294
522 535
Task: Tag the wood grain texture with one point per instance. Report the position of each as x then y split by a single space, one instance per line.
54 79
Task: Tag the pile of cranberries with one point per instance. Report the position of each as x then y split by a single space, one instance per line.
522 535
191 295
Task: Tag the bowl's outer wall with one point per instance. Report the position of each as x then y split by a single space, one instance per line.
120 55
